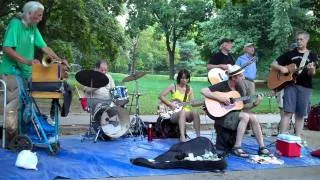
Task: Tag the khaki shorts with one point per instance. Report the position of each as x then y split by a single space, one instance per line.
229 121
12 103
296 99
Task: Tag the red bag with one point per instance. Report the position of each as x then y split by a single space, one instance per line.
314 118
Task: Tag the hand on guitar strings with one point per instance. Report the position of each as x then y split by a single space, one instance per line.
173 105
224 66
258 100
311 68
284 70
225 100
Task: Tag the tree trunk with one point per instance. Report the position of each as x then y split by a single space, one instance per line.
133 54
171 52
171 64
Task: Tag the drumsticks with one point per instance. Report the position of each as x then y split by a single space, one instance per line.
78 91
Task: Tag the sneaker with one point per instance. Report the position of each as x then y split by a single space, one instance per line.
304 143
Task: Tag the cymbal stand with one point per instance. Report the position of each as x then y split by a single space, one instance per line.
136 121
89 134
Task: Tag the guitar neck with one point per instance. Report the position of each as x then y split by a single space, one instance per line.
252 60
244 98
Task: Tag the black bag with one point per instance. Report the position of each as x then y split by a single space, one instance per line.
314 118
164 128
174 157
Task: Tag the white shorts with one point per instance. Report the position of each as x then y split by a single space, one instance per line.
279 96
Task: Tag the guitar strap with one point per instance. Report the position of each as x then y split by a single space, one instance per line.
186 93
303 61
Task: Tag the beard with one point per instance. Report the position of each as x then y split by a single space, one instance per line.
29 20
241 87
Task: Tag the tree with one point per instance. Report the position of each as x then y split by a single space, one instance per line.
80 30
89 26
281 28
313 8
268 24
173 18
151 52
190 57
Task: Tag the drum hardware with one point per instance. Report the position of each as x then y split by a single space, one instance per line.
136 123
92 79
120 95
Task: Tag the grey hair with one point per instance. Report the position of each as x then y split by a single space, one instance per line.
304 33
31 7
98 64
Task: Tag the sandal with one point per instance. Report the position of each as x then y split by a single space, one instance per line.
263 151
238 151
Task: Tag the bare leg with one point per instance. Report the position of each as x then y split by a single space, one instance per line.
196 123
256 129
285 121
299 125
182 122
244 119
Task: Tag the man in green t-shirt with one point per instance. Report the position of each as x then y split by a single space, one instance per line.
20 40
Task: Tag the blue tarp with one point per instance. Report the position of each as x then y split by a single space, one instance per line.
86 159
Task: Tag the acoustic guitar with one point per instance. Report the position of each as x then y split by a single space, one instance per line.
217 75
217 109
166 112
278 80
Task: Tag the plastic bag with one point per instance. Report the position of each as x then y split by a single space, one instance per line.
27 160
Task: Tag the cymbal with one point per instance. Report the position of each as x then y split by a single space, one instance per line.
135 76
98 79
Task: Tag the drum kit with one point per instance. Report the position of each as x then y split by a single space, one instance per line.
110 119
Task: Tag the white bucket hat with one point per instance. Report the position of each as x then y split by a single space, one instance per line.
234 70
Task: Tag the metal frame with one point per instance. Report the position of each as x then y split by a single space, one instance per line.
4 112
42 138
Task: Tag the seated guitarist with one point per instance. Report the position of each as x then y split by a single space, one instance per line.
181 92
234 122
296 95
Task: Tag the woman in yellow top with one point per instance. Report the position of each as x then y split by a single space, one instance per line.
179 92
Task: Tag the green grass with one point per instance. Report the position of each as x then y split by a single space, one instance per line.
151 85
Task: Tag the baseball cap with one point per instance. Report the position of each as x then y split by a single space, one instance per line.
225 40
248 44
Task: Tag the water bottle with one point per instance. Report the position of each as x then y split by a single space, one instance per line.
150 132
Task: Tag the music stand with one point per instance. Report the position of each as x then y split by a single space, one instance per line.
92 79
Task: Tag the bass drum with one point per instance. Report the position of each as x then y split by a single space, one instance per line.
114 121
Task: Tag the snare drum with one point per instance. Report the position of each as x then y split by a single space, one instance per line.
120 95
